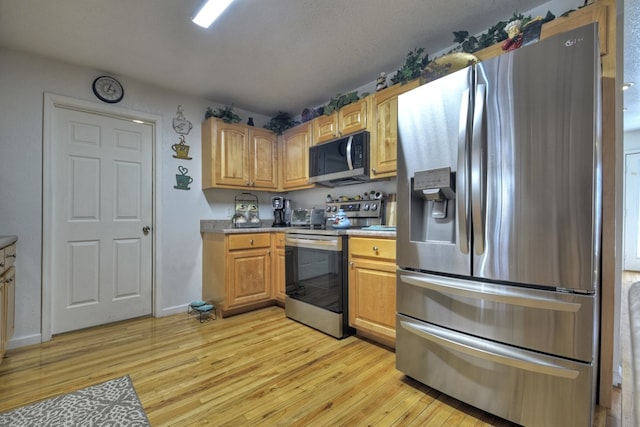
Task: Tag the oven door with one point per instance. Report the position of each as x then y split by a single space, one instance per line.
315 270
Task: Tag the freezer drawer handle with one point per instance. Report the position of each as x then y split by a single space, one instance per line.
513 297
492 352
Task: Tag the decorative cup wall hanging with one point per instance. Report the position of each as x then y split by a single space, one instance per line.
180 124
182 179
181 149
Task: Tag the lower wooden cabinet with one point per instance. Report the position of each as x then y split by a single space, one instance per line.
7 296
372 288
237 271
244 271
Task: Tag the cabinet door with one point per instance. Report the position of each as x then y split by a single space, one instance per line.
249 277
384 142
10 304
279 283
232 159
372 298
295 156
325 128
352 117
263 159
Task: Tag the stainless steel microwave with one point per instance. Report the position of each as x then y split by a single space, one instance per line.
341 161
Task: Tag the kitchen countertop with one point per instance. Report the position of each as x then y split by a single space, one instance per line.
226 227
7 240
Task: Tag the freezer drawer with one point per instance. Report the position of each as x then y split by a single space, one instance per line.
551 322
522 386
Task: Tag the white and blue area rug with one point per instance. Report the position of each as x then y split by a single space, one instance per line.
113 403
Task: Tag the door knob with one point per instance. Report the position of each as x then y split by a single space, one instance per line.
146 229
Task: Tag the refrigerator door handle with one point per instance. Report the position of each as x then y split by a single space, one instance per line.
478 171
487 350
484 292
461 176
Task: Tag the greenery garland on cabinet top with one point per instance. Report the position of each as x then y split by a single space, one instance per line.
416 60
281 122
226 114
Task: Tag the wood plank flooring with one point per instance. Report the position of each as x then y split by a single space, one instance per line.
257 368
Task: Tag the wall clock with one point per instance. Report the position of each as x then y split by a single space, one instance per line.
108 89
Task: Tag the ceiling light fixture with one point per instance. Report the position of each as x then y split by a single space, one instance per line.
627 85
210 11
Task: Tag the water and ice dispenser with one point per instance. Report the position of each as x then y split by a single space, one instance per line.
433 205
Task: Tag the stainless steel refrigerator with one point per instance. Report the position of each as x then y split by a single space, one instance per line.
498 235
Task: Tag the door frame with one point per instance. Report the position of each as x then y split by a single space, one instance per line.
51 102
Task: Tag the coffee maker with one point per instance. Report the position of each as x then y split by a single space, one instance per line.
278 204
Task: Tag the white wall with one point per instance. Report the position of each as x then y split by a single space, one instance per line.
24 79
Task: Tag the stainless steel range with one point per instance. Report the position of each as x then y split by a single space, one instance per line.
316 268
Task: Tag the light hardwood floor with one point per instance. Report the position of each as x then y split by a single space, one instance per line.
257 368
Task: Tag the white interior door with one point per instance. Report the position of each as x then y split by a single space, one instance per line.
632 212
101 208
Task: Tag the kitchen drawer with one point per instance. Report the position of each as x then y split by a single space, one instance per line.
550 322
249 241
513 383
373 248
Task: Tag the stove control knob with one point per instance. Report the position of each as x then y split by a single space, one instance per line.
366 206
328 208
374 206
334 209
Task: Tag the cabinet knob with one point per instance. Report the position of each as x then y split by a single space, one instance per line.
374 170
251 242
375 249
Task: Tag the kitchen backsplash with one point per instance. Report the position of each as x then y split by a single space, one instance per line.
221 201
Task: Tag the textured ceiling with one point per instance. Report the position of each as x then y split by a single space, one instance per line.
263 56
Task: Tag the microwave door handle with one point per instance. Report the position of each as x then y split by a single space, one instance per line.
461 175
478 172
349 160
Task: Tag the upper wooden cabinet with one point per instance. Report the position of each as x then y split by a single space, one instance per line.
238 156
350 118
384 140
294 147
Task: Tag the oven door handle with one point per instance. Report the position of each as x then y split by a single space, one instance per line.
300 242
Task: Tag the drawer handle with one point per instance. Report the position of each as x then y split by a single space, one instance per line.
11 255
251 242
